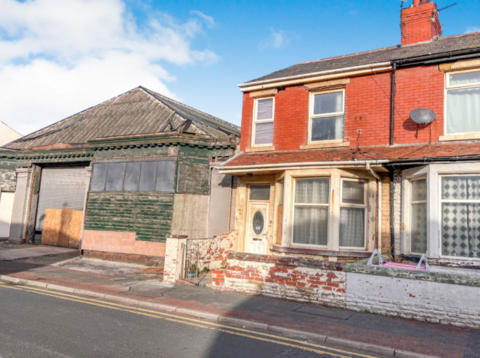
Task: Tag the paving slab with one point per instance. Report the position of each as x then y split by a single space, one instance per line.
29 251
366 329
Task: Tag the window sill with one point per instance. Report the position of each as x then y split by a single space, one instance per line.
260 149
452 137
319 252
324 144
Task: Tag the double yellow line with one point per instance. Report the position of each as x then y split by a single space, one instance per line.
259 336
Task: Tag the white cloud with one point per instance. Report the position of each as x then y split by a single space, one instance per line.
208 19
58 57
472 29
276 40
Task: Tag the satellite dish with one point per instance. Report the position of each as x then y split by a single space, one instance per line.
423 116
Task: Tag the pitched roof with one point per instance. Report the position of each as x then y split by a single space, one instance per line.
396 153
136 112
395 53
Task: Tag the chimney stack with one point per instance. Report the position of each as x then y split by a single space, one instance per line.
420 23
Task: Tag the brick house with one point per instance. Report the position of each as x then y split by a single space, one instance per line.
134 169
379 149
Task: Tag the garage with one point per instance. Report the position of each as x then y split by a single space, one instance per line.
61 200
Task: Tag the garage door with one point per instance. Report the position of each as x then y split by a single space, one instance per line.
60 188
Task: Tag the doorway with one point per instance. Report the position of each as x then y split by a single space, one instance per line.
258 219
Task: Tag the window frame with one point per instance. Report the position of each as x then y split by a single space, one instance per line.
412 202
356 206
328 205
312 116
441 201
256 121
447 88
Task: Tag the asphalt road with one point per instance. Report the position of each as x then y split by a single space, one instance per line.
42 323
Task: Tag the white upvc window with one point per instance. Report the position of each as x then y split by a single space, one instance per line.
327 116
460 216
311 211
418 216
353 214
263 118
462 104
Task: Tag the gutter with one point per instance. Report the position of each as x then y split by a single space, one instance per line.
262 167
379 205
315 76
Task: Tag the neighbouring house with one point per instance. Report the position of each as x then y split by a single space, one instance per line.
7 135
373 150
116 178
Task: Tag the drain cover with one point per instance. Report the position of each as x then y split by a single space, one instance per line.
321 311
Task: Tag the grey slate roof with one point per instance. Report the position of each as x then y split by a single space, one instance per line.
136 112
442 45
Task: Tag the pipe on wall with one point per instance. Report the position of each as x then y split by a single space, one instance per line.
392 104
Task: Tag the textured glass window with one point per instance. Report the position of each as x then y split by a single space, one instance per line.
148 176
165 176
99 177
461 216
132 176
418 240
259 192
310 222
115 176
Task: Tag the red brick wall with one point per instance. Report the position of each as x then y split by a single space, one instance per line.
367 109
416 25
304 280
418 87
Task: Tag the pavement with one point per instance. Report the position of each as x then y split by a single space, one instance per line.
139 286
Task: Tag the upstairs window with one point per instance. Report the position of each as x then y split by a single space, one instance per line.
263 122
463 102
327 116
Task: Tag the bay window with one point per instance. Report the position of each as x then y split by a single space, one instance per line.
353 214
327 114
463 102
418 236
263 118
460 217
311 207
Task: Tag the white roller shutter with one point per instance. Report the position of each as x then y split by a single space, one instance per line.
61 188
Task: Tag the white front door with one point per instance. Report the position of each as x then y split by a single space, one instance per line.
257 228
6 208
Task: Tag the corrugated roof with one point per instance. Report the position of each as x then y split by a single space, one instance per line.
374 153
138 111
395 53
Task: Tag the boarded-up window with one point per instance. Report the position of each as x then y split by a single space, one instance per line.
134 176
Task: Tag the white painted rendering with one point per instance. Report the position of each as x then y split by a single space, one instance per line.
6 209
413 299
7 134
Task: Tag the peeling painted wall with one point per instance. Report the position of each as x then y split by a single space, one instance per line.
8 176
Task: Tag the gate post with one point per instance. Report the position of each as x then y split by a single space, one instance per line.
174 257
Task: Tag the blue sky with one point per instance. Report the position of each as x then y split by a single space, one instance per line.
195 51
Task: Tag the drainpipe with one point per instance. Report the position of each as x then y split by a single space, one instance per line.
392 212
392 103
379 205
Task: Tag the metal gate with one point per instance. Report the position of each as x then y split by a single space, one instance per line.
60 188
194 270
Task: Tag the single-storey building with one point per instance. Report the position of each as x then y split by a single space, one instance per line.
118 177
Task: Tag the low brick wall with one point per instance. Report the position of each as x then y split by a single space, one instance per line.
437 297
205 253
128 258
301 280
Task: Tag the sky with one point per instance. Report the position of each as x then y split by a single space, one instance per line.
58 57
